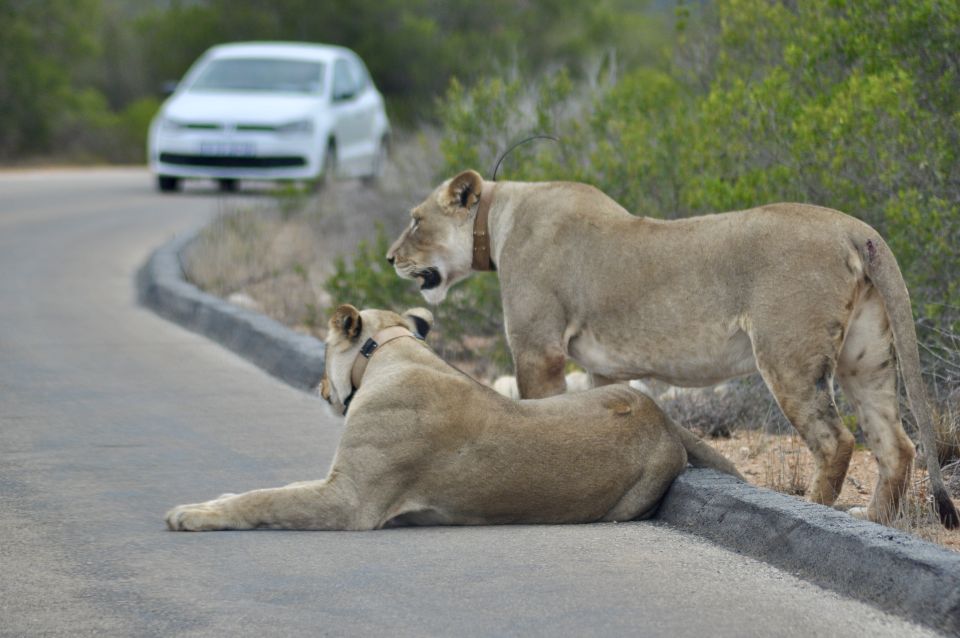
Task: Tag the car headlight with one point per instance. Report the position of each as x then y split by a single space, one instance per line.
171 126
299 126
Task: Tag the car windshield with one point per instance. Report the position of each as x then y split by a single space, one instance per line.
260 74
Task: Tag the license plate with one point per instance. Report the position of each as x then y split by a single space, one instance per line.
228 149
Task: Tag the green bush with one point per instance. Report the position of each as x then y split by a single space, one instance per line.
87 130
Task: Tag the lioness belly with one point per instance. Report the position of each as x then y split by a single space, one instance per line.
702 357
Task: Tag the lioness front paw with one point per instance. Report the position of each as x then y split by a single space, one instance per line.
197 517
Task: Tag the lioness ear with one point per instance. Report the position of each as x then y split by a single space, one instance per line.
347 321
462 192
420 320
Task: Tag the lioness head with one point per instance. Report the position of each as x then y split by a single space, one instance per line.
348 329
437 246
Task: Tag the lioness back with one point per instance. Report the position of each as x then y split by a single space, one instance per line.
561 459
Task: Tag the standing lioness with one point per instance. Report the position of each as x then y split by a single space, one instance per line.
425 444
797 292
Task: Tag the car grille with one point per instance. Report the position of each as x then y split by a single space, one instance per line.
238 128
226 161
256 128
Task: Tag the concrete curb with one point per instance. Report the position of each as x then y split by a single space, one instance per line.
291 357
898 573
876 564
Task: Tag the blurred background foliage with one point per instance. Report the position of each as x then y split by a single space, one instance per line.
80 79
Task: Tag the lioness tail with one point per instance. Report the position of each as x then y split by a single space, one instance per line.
881 266
699 454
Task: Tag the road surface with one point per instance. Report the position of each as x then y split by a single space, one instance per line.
110 415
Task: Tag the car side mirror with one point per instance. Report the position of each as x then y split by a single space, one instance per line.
168 87
343 96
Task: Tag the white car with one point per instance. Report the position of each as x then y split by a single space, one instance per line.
270 111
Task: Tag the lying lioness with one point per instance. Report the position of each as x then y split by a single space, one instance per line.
800 293
426 445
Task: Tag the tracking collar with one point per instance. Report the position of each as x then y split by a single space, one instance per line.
370 346
481 231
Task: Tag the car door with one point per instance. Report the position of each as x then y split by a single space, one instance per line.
369 105
346 117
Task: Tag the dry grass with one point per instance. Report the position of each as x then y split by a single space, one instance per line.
946 420
256 253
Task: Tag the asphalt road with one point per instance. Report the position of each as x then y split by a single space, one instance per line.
110 415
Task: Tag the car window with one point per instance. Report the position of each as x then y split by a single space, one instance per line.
260 74
360 74
344 83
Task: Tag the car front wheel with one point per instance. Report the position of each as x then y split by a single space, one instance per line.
228 185
329 174
168 184
379 163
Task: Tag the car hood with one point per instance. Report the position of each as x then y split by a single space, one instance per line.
255 108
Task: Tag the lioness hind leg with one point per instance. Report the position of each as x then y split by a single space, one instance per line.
805 396
641 500
306 505
867 372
